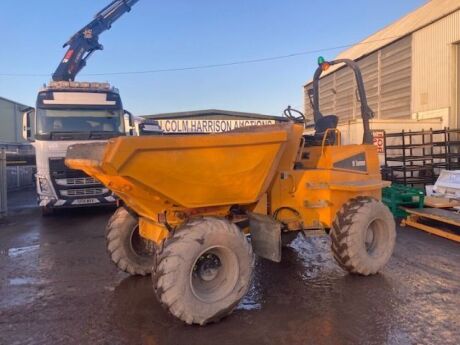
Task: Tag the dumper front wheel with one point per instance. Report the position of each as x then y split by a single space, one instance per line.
203 270
363 236
127 249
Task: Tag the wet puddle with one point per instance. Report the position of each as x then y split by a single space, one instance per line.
26 281
15 252
248 303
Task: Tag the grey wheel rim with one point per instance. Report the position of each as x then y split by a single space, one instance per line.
375 237
214 274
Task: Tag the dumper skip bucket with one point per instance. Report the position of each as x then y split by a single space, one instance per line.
188 171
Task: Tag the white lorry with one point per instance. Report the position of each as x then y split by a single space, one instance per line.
68 112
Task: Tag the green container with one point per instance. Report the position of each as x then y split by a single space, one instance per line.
397 196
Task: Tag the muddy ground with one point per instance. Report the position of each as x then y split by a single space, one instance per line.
57 286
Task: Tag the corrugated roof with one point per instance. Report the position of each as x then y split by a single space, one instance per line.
430 12
208 112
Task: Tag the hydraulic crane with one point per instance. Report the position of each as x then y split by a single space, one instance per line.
86 41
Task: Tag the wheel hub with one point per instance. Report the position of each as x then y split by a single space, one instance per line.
214 274
207 267
373 237
140 245
369 239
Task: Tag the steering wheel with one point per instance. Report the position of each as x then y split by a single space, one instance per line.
298 116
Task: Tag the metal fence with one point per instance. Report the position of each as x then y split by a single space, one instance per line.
417 157
3 184
20 166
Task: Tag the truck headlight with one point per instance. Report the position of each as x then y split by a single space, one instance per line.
44 185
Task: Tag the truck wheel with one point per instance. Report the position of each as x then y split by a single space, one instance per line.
203 270
363 236
47 211
127 249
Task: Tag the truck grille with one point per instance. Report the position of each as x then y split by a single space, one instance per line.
70 183
84 192
77 181
59 170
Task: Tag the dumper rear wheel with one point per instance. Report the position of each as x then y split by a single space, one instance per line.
363 236
127 249
203 270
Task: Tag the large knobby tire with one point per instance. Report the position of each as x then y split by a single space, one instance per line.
203 270
363 236
127 249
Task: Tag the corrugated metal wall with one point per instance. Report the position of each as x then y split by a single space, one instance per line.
395 80
434 74
387 78
11 122
3 184
8 122
429 12
344 93
371 77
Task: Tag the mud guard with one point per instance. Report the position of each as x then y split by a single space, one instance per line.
265 236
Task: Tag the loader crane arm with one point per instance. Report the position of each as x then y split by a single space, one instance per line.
86 41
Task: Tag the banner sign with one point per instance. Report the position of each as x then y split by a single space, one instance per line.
208 126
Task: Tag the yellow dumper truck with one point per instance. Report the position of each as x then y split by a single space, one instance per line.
184 196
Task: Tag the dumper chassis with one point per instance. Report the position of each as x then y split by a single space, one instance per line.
184 196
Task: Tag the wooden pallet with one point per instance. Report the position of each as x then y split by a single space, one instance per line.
440 215
438 202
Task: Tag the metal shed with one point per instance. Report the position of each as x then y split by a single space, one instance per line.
11 121
16 173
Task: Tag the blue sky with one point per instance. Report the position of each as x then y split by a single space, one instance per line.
182 33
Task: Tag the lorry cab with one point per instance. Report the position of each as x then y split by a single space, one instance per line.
68 113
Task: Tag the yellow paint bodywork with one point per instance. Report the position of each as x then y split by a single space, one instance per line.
167 180
317 194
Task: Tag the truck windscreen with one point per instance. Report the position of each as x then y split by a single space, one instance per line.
84 122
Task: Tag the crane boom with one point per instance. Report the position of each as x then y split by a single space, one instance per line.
86 41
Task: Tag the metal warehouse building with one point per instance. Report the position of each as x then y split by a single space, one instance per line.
11 122
210 121
19 173
411 71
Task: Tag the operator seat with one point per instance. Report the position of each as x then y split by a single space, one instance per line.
321 126
325 123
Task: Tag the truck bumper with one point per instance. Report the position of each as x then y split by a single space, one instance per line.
77 202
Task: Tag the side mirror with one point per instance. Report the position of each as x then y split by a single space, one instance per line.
27 115
130 122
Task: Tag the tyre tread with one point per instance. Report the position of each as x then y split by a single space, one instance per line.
172 247
114 243
342 250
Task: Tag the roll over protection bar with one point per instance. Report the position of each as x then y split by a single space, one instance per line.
366 111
